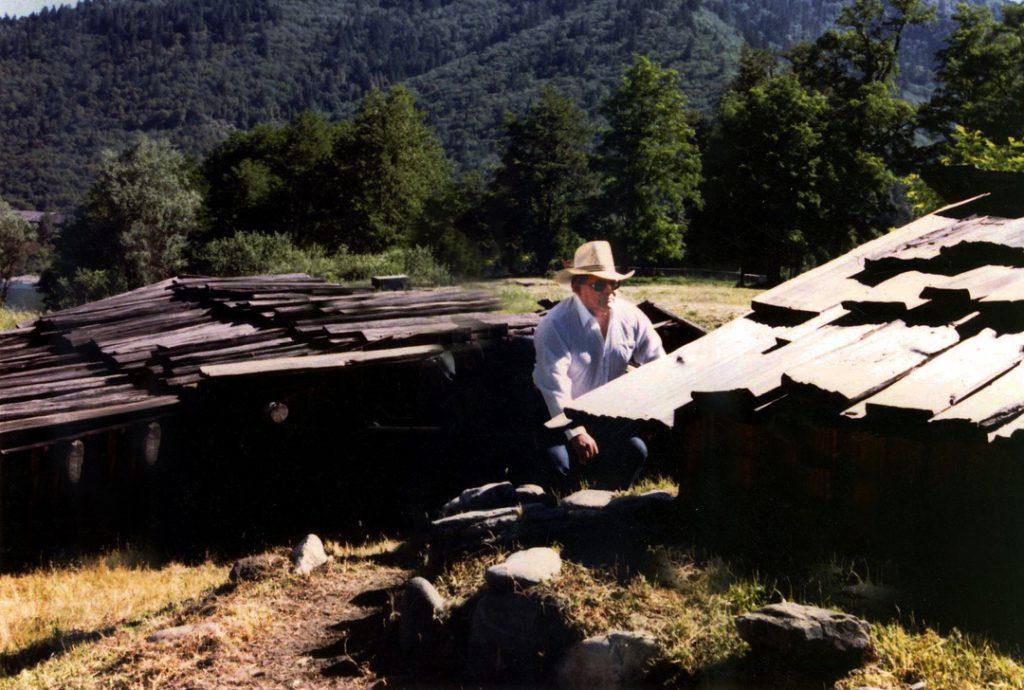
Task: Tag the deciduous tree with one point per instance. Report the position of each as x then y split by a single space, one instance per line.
981 75
17 241
134 227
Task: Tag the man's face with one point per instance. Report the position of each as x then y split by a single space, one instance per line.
597 294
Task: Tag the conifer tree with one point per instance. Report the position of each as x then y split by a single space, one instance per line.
650 164
544 182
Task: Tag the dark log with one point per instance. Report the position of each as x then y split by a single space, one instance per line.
276 412
145 442
395 282
72 460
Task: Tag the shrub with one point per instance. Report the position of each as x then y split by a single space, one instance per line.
250 253
254 253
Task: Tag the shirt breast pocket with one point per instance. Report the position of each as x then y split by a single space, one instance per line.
580 362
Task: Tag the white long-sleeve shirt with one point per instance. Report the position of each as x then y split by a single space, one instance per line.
573 357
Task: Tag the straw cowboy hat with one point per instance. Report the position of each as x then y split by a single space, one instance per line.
592 259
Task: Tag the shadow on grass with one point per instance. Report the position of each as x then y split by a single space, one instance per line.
13 663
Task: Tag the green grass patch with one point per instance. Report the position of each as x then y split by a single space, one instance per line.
952 662
10 318
708 303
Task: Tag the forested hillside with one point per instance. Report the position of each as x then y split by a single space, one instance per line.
76 80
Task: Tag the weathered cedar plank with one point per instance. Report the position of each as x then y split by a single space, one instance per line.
945 379
314 362
831 283
656 390
862 368
156 402
898 294
47 374
990 407
45 389
977 283
760 376
102 397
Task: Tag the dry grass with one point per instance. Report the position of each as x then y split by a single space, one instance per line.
709 303
264 631
49 604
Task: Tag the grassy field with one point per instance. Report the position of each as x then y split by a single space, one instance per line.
708 303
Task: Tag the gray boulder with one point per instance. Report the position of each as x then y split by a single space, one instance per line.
588 499
531 493
476 519
807 635
419 616
515 636
180 631
525 569
496 495
309 554
614 660
254 568
641 501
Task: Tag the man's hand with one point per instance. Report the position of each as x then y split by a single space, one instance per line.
584 446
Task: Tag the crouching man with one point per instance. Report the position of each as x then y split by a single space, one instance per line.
582 343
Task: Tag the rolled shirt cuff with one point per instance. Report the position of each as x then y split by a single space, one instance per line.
575 431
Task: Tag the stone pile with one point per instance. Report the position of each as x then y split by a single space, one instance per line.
512 631
509 632
500 514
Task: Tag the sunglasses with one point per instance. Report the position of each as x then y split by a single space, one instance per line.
599 286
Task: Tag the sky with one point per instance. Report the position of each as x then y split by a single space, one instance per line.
18 8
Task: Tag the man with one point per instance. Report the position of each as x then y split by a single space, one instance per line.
582 343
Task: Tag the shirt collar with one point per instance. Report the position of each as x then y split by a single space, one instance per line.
586 318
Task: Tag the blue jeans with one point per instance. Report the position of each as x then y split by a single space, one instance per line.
617 465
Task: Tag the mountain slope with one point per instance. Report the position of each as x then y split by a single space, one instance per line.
76 80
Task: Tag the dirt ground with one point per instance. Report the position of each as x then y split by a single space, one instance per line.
314 633
288 631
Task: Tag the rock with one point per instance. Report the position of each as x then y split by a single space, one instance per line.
253 568
868 599
497 495
588 499
531 493
515 636
809 635
641 501
419 613
538 513
461 521
525 569
614 660
180 631
308 554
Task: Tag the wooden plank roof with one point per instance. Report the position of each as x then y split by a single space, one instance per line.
922 327
136 355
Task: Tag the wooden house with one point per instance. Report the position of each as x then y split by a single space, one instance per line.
259 408
874 401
